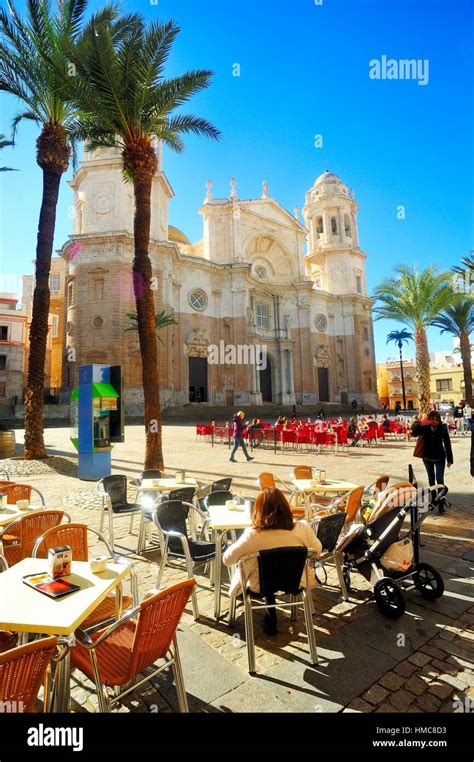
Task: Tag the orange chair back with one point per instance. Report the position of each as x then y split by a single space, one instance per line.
266 480
157 622
17 492
353 503
381 483
25 533
22 671
303 472
74 535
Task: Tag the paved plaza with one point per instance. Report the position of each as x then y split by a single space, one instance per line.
422 662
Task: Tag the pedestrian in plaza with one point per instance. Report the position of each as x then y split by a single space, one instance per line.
437 450
238 426
459 417
273 526
467 412
353 432
354 404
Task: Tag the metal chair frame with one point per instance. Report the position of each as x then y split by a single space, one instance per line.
250 604
190 563
106 702
107 507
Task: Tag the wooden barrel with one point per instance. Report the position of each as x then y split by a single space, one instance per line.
7 444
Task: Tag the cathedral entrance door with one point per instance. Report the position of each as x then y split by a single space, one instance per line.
198 379
323 385
266 382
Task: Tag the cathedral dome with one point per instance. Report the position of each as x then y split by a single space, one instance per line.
328 177
175 235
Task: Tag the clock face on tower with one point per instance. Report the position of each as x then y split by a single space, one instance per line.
102 202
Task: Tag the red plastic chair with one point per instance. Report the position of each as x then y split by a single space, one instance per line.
288 437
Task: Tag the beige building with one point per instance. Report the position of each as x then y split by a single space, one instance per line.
393 383
248 283
13 328
447 384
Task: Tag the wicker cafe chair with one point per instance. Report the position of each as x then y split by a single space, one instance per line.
349 503
18 491
115 656
19 537
280 572
7 639
171 518
267 480
217 486
113 491
22 671
149 473
149 503
328 530
75 535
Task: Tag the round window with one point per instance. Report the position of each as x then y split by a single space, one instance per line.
97 322
198 300
261 272
320 322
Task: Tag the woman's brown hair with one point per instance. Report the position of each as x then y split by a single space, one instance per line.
272 511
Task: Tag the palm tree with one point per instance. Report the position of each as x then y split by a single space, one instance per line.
458 319
415 299
3 144
401 337
30 51
466 270
126 102
162 320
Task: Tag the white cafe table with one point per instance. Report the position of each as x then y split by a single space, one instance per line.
165 484
12 513
23 609
336 486
222 520
307 487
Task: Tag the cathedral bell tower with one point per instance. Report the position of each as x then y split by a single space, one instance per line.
334 261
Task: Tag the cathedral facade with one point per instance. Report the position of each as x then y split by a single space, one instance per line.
260 277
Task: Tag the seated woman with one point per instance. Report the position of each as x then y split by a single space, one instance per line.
353 432
273 526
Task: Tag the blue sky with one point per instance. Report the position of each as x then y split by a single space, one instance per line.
305 71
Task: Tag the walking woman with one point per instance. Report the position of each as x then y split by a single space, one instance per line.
437 449
238 426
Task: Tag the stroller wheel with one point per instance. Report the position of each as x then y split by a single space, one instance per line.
428 581
389 598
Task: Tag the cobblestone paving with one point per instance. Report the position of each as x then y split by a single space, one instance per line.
423 662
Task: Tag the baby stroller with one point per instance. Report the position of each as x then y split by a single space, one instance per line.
387 554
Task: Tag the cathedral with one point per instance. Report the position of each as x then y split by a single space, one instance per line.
260 276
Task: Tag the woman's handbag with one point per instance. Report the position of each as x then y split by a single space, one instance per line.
419 450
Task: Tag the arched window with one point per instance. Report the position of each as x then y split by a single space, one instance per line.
334 225
319 225
347 226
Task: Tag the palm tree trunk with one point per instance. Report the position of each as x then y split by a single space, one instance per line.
465 347
402 374
422 370
142 274
34 439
